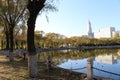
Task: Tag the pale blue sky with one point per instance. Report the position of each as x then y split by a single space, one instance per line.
73 15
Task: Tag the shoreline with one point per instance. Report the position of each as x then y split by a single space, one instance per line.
82 76
38 50
99 47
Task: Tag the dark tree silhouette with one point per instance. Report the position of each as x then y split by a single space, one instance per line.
34 7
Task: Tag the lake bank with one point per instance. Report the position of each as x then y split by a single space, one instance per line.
78 48
17 70
38 50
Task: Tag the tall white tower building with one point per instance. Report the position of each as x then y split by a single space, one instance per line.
90 33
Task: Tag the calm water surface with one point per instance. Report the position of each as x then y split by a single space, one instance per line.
106 63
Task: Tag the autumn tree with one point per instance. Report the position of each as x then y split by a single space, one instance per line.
5 30
12 12
20 36
54 39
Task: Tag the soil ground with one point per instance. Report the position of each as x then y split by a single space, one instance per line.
17 70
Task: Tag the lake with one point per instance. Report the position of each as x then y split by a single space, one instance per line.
105 62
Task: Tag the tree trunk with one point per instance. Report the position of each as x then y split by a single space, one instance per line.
34 7
32 66
32 59
7 40
11 45
2 44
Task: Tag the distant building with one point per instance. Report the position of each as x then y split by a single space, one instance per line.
116 34
107 32
104 33
90 33
84 35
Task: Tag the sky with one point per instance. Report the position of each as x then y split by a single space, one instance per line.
72 17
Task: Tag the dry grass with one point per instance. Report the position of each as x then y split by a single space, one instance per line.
17 70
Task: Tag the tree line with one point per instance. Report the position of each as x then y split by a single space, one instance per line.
54 40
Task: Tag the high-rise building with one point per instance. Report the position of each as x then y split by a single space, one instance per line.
90 33
104 33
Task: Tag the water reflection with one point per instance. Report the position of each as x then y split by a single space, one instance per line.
107 59
103 63
90 68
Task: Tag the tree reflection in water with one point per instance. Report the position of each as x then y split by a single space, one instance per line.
61 56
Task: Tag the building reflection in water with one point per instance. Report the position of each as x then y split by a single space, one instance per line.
107 59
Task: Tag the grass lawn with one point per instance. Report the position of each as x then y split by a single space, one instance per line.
17 70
